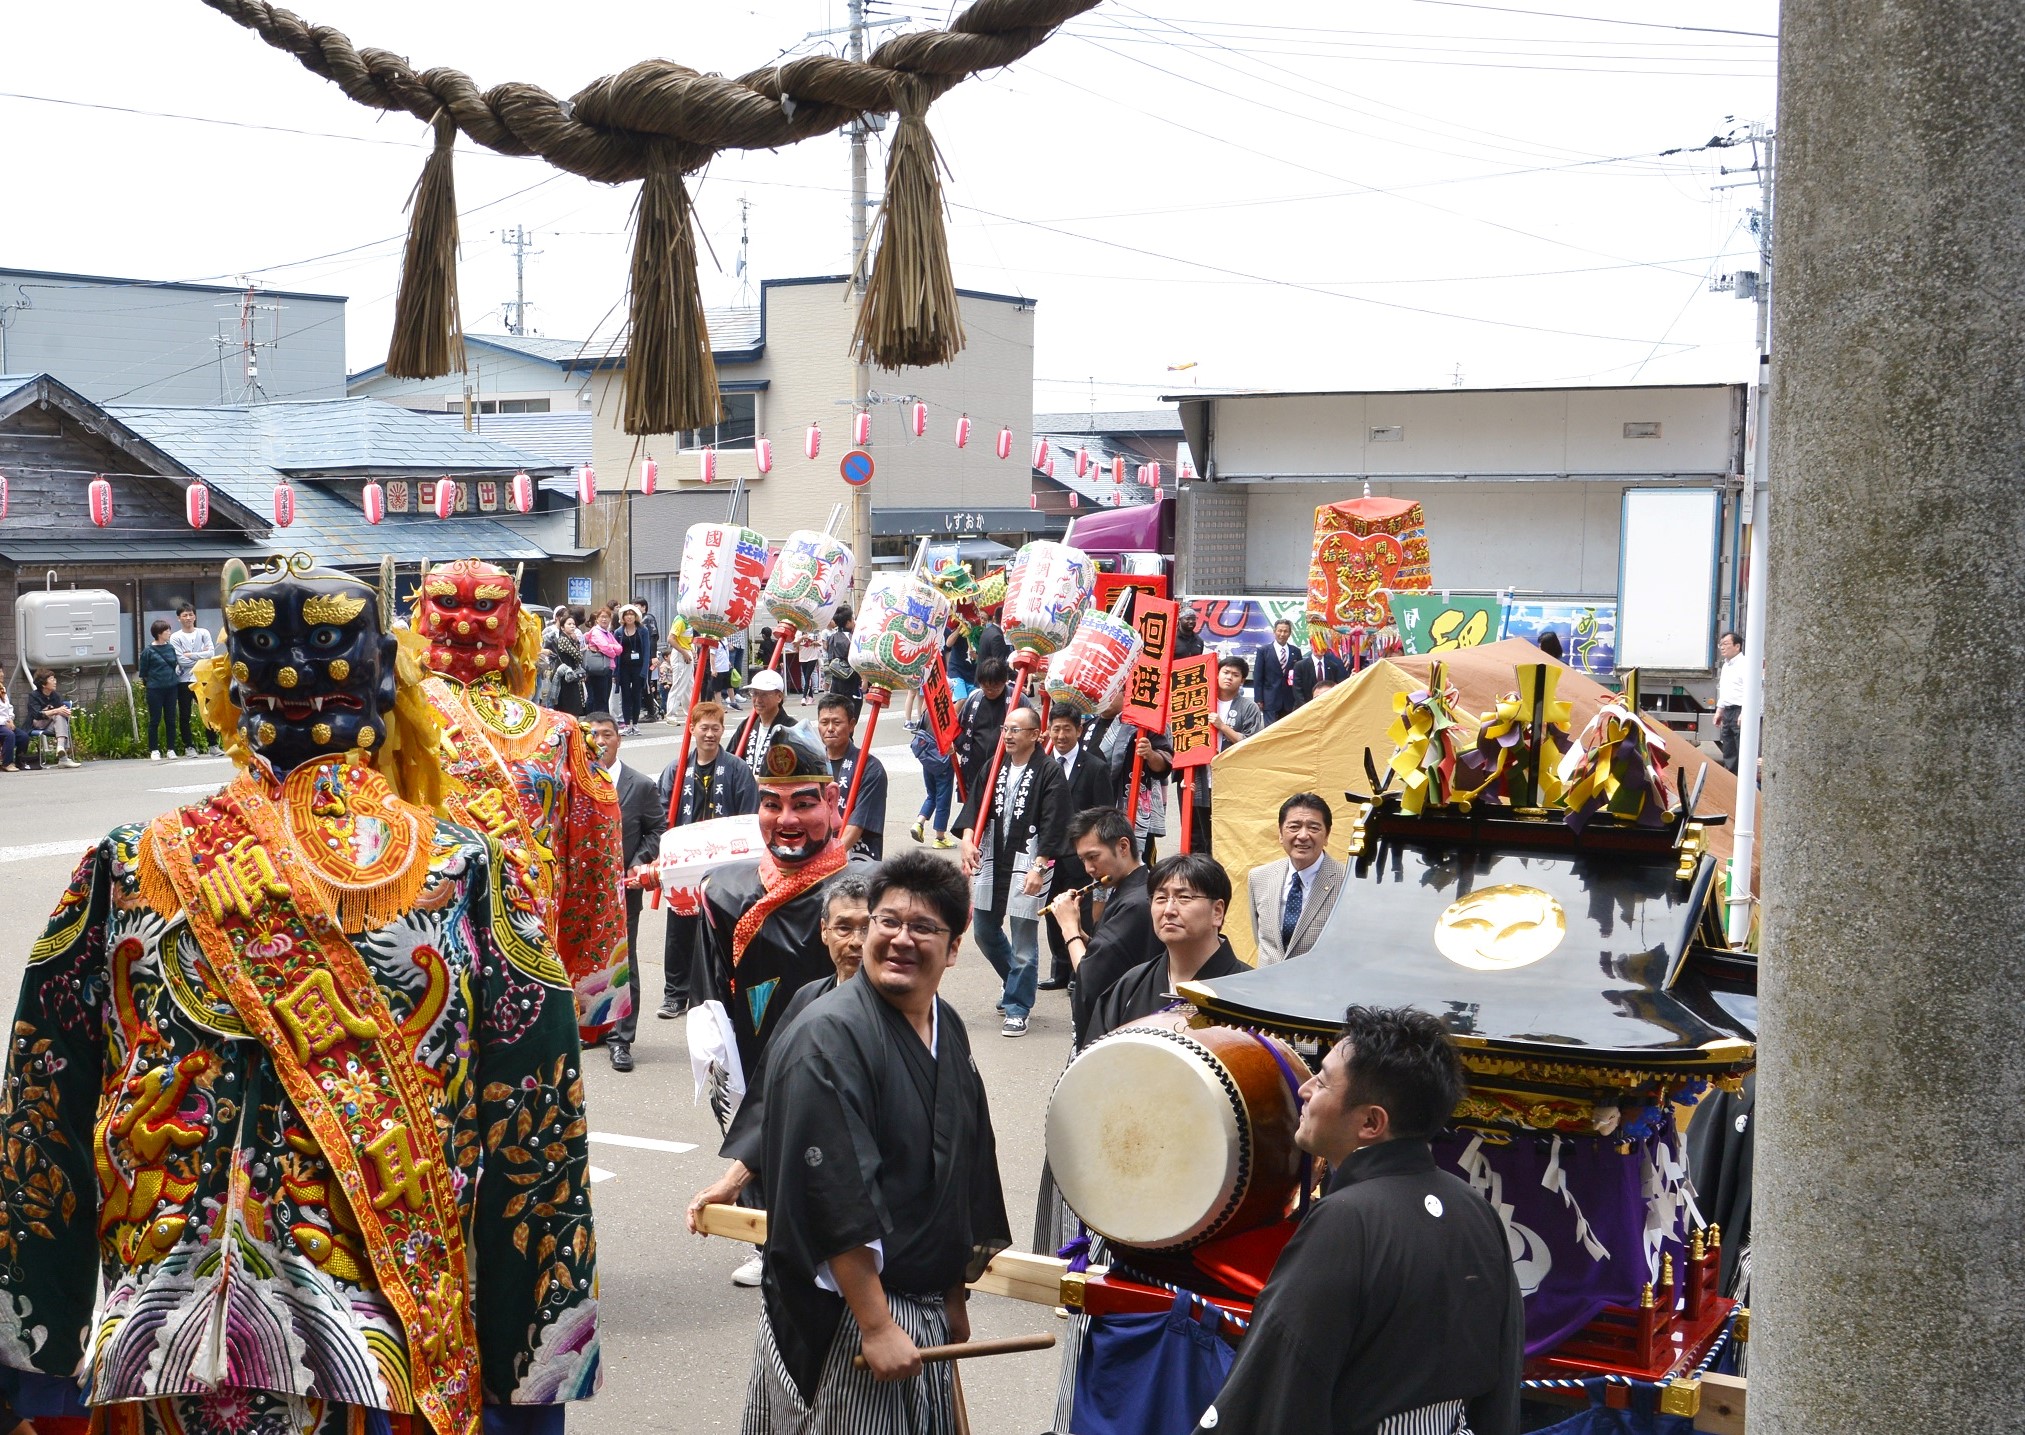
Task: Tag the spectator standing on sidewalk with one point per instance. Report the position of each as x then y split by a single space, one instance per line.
938 774
158 667
192 645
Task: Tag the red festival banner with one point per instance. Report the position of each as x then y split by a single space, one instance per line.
940 700
1146 685
1191 698
1110 585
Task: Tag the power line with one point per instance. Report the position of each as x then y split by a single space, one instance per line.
1596 19
1259 26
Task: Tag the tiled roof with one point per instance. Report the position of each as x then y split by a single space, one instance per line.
245 451
1139 422
563 439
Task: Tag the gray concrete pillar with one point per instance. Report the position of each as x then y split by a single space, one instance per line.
1890 1209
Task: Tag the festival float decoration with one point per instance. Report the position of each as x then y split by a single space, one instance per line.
1364 549
897 641
1088 674
809 578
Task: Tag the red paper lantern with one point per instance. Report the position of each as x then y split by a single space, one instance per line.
1033 500
1050 469
101 501
813 443
284 505
861 428
706 464
197 505
1118 468
650 475
919 415
374 500
1074 501
523 493
3 495
1082 462
587 485
1040 453
963 431
1153 474
1005 443
446 498
762 454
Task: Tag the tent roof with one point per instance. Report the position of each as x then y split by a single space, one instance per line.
1321 747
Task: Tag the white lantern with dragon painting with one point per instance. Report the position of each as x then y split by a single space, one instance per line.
809 579
899 631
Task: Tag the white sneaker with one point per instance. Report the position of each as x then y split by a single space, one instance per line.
68 761
749 1274
157 757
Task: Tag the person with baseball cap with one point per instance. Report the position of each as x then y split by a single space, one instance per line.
766 721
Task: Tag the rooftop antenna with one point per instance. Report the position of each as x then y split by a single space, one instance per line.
746 298
522 244
248 344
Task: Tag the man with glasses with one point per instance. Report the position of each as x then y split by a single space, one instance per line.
1190 892
1292 899
845 922
1008 852
881 1168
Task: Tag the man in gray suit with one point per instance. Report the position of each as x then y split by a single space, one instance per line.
1292 900
643 818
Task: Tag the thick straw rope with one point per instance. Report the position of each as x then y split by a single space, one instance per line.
662 120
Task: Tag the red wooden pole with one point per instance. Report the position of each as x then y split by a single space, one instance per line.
1188 813
998 753
1132 799
703 647
875 698
780 642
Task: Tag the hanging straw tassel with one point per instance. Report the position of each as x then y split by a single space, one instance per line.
428 337
910 317
671 381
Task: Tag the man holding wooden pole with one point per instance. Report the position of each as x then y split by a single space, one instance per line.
883 1195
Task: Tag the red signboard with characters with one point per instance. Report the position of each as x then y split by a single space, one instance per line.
1191 697
1146 685
940 700
1110 585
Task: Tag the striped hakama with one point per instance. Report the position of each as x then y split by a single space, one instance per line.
848 1401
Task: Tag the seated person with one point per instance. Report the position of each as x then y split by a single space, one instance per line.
10 740
50 712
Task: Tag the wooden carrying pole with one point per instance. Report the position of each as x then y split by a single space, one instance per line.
971 1349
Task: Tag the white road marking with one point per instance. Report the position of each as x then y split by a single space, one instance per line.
193 787
599 1173
641 1143
75 847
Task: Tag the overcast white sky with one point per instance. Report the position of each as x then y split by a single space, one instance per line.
1286 194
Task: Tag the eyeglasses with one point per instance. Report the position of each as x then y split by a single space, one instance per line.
919 931
850 929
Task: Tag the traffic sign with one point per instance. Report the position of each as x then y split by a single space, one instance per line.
856 468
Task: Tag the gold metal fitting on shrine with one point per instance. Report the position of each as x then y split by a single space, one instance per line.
1645 1301
1681 1397
1072 1289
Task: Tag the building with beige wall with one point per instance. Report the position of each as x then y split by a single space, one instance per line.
793 368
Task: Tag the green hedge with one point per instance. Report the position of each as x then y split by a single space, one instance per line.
103 729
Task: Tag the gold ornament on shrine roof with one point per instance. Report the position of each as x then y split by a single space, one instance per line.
655 122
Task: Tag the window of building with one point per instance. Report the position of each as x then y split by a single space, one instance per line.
739 426
500 406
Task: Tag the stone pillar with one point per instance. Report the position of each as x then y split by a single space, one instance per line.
1890 1209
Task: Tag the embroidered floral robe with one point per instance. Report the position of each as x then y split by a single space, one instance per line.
569 813
148 1143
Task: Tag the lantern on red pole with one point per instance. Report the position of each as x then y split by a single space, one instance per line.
861 428
919 417
446 497
762 454
650 476
523 493
1005 443
197 505
100 493
284 505
374 500
587 485
963 431
813 443
706 463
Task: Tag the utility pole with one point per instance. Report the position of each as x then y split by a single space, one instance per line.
746 296
249 346
861 378
522 245
1745 845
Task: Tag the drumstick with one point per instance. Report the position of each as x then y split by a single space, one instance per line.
1005 1345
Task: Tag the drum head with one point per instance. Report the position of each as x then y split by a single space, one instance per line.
1144 1139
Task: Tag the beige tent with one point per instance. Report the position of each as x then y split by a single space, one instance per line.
1321 749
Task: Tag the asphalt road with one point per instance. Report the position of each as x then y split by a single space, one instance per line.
678 1335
